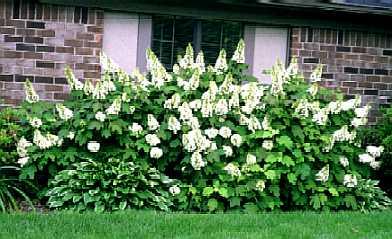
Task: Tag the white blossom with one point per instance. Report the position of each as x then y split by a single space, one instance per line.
211 132
236 140
316 74
174 190
93 146
23 161
195 104
156 152
71 135
362 112
21 147
323 174
31 95
197 161
375 164
64 112
100 116
200 62
350 180
194 140
250 159
232 170
227 150
366 158
114 108
152 139
375 151
344 161
221 108
225 132
221 63
185 111
35 122
135 128
313 89
239 54
152 123
47 141
260 185
173 124
267 144
254 124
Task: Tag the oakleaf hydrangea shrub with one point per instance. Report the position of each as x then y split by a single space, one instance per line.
218 139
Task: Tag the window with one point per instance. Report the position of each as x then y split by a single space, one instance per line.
172 34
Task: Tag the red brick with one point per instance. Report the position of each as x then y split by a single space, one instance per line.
84 51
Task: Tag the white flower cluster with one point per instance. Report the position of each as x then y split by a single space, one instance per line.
250 159
73 82
260 185
156 153
174 102
101 90
135 128
239 54
152 139
100 116
64 112
268 144
350 180
31 95
152 123
197 161
344 161
232 170
174 190
221 63
236 140
114 108
323 174
21 149
46 141
372 152
341 135
158 72
35 122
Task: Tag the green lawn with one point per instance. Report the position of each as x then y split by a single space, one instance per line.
142 224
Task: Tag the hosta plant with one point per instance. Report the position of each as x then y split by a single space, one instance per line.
226 141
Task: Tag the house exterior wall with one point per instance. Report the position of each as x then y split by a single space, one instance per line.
39 44
356 62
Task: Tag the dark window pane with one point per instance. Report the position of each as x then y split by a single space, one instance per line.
171 35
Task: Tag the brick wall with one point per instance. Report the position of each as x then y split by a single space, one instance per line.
355 62
37 42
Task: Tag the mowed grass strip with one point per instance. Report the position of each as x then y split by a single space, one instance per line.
147 224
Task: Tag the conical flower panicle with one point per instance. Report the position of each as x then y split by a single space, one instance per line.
221 63
73 82
239 54
31 95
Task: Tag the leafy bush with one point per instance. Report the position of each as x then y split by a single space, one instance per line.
10 130
381 134
109 185
228 142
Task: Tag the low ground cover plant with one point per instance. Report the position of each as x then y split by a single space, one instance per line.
200 138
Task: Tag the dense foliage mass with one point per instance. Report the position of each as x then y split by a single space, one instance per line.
201 138
381 134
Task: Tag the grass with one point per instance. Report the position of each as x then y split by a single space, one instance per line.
145 224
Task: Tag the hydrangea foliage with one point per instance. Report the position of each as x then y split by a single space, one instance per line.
218 139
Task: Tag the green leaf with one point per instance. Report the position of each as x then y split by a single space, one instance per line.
94 125
235 202
223 192
123 205
212 204
286 160
270 174
292 178
333 192
207 191
285 141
